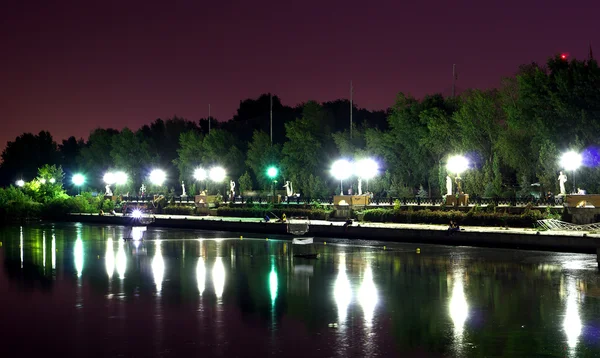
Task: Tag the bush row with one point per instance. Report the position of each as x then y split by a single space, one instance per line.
474 218
254 212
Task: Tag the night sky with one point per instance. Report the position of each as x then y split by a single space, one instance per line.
71 66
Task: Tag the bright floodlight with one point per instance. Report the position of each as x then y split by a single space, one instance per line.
272 172
120 178
366 168
217 174
52 180
457 164
570 161
78 179
43 181
136 214
20 183
341 169
158 177
200 174
109 178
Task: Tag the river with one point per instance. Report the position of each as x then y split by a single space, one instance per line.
75 290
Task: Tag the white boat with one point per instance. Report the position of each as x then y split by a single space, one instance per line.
302 241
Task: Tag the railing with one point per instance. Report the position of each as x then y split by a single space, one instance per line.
376 201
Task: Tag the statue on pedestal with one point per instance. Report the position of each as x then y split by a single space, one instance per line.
183 189
232 189
359 186
108 191
288 188
562 179
143 190
448 185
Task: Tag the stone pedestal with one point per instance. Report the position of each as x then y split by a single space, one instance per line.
462 200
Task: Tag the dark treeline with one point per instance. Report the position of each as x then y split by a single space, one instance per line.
513 136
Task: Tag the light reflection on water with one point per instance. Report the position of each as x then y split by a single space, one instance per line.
158 266
572 321
385 302
342 292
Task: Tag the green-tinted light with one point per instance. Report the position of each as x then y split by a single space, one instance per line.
272 172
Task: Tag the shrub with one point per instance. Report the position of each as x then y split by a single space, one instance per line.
179 210
473 217
257 212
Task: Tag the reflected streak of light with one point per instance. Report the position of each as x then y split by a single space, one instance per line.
137 232
21 245
158 267
44 249
367 295
201 275
218 276
342 292
53 251
110 258
572 323
458 307
121 260
273 283
78 253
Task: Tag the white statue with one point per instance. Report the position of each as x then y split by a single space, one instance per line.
143 190
562 179
288 188
108 191
183 189
359 186
448 185
232 188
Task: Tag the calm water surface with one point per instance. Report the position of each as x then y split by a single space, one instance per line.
80 291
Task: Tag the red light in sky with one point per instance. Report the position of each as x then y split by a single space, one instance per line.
563 56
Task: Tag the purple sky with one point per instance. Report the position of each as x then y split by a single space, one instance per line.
71 66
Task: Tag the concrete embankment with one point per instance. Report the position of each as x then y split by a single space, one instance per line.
414 233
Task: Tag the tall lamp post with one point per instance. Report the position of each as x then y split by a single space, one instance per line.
366 169
200 175
457 164
272 173
78 180
342 170
217 174
571 161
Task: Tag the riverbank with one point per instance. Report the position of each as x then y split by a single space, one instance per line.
515 238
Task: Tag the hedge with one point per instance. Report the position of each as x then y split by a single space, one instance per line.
313 214
179 210
527 219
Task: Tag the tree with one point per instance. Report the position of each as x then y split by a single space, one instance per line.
22 157
95 158
131 153
260 156
304 151
189 153
245 183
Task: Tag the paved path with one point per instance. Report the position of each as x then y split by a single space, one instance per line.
481 229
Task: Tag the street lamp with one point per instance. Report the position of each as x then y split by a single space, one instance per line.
457 164
52 180
43 181
78 181
109 178
366 169
158 177
20 183
341 170
120 178
571 161
217 174
200 175
272 173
